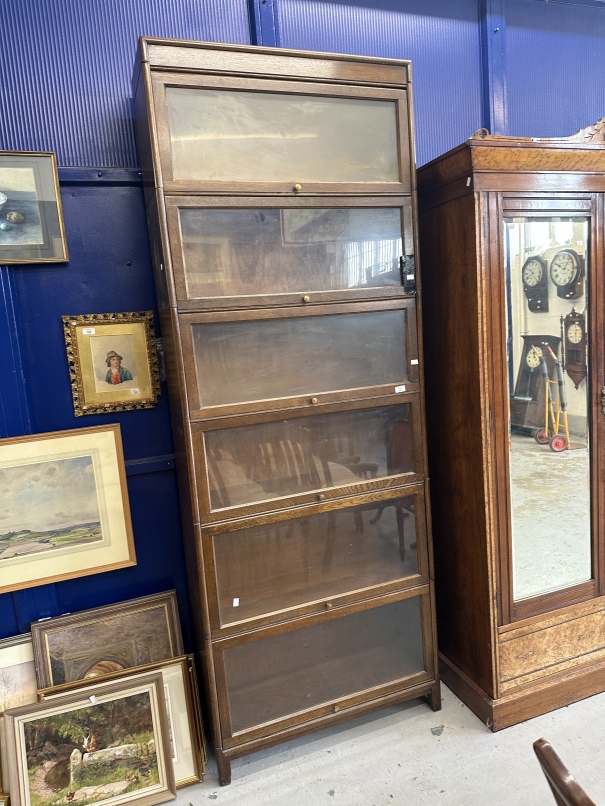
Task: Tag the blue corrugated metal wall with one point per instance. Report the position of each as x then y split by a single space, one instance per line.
525 66
65 72
562 48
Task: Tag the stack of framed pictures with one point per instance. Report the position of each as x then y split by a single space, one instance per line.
100 704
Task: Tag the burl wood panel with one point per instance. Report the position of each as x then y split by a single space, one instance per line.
552 647
537 159
453 403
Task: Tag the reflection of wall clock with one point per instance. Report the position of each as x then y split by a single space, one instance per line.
574 346
535 283
567 273
532 359
527 402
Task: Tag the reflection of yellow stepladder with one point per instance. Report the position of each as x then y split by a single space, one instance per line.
553 409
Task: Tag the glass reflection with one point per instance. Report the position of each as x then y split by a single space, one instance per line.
546 274
299 669
242 252
275 566
229 135
237 362
287 457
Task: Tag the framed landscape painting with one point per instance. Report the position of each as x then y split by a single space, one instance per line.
187 747
113 361
64 508
31 218
96 747
103 640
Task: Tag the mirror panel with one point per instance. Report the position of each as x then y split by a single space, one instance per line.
547 343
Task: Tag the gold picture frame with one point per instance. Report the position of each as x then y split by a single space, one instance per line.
113 361
64 505
105 745
31 216
188 748
104 639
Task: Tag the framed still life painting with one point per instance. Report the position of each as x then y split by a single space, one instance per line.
31 218
106 746
64 509
113 361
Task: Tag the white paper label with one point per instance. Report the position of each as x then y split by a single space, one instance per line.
414 361
236 603
88 331
399 389
134 391
93 699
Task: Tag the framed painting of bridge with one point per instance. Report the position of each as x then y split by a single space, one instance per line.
98 642
64 508
109 746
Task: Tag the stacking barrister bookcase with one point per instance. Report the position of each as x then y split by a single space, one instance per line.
280 194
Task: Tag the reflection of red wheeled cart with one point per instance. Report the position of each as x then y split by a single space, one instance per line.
555 411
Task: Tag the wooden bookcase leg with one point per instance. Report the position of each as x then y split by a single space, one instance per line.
224 767
434 697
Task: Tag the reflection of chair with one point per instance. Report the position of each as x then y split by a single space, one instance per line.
400 459
245 468
566 790
271 467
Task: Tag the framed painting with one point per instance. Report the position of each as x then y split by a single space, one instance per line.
97 642
113 361
187 747
31 218
105 746
18 686
64 508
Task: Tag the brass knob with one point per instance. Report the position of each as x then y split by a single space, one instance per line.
321 497
297 187
328 605
337 708
306 298
313 400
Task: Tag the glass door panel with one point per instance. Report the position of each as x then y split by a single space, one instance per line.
302 454
284 564
295 671
239 136
547 337
237 252
246 361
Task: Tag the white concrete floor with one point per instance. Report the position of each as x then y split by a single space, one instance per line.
409 755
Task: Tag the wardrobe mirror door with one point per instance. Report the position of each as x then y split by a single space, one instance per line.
547 261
